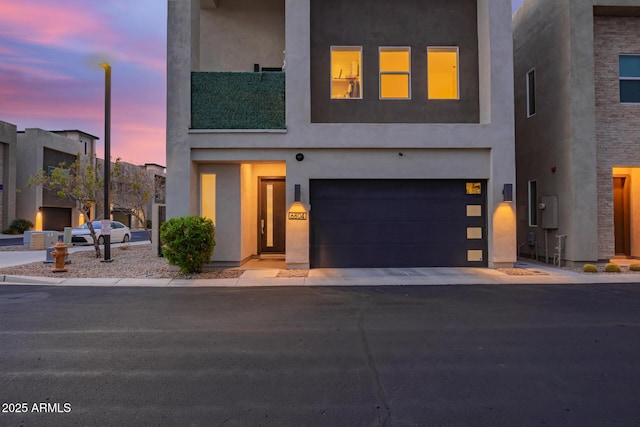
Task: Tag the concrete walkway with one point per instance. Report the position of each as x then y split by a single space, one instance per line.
353 277
267 273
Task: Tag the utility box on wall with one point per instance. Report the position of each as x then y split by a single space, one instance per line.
549 208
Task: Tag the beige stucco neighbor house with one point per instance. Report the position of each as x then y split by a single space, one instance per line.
577 94
344 133
8 140
41 149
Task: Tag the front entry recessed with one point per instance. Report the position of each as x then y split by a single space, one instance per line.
271 216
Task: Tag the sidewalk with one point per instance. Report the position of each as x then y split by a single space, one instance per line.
536 274
530 274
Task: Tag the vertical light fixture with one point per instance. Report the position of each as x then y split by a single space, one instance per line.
507 192
107 158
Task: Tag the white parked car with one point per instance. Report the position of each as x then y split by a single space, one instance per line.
82 235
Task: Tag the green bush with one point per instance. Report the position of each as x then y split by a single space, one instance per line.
188 242
635 266
612 268
590 268
19 226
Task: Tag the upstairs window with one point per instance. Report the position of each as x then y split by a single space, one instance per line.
442 73
346 72
630 78
533 203
395 72
531 92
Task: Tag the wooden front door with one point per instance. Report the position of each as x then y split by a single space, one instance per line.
271 216
621 216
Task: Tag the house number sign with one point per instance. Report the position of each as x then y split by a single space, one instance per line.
298 216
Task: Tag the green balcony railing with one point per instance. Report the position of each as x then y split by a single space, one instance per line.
230 100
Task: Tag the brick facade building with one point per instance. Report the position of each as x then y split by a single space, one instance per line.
577 93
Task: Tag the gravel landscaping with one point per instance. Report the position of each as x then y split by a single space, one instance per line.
129 261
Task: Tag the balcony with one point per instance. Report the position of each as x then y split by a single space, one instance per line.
237 100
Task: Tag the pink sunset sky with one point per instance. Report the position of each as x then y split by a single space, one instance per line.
50 76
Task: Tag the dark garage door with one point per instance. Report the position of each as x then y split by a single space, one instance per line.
56 219
398 223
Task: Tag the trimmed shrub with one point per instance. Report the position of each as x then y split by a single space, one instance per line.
612 268
635 266
188 242
590 268
19 226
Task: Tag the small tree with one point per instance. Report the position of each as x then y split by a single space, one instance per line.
134 189
80 182
188 242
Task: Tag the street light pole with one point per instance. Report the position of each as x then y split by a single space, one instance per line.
107 159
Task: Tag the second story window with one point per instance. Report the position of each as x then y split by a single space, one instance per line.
630 78
533 203
346 72
442 72
395 73
531 93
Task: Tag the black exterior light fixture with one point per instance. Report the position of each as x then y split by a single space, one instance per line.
507 193
296 192
299 157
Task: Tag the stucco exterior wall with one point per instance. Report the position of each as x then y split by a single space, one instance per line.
617 124
238 34
398 23
30 158
556 37
370 150
8 141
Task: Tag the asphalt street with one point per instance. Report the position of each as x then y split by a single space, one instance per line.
397 356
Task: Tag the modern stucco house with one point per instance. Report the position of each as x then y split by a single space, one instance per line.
42 149
344 133
8 138
577 94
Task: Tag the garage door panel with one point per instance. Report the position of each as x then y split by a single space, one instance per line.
385 210
367 256
395 223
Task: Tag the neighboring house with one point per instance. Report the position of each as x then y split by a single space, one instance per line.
150 175
390 143
577 94
8 141
41 149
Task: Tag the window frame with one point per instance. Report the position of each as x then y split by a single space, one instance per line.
531 92
397 73
627 78
360 71
533 204
445 49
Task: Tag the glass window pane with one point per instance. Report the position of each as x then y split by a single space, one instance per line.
474 233
629 65
630 91
474 210
394 59
474 188
442 73
394 86
474 255
346 72
531 93
533 203
208 196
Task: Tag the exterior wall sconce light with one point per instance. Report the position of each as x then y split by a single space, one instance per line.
296 193
507 192
299 157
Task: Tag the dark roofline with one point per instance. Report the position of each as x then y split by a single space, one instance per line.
155 164
75 130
